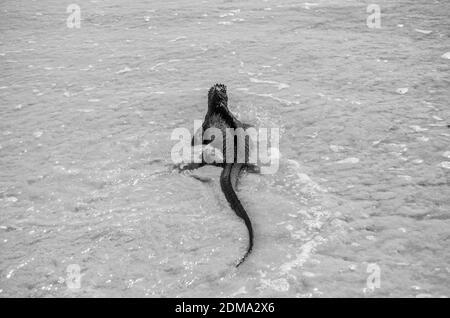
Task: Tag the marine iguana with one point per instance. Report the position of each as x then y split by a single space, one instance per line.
219 116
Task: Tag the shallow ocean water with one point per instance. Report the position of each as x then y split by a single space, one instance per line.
85 167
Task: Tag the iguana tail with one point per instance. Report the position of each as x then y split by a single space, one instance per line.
228 181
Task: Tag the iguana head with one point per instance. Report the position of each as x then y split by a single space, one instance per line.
217 97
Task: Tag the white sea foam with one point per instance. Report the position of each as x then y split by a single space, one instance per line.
280 86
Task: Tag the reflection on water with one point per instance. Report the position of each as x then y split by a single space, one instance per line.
90 206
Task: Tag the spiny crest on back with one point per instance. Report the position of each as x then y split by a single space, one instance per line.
218 87
217 95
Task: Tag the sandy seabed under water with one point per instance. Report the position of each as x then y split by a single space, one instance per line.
85 168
